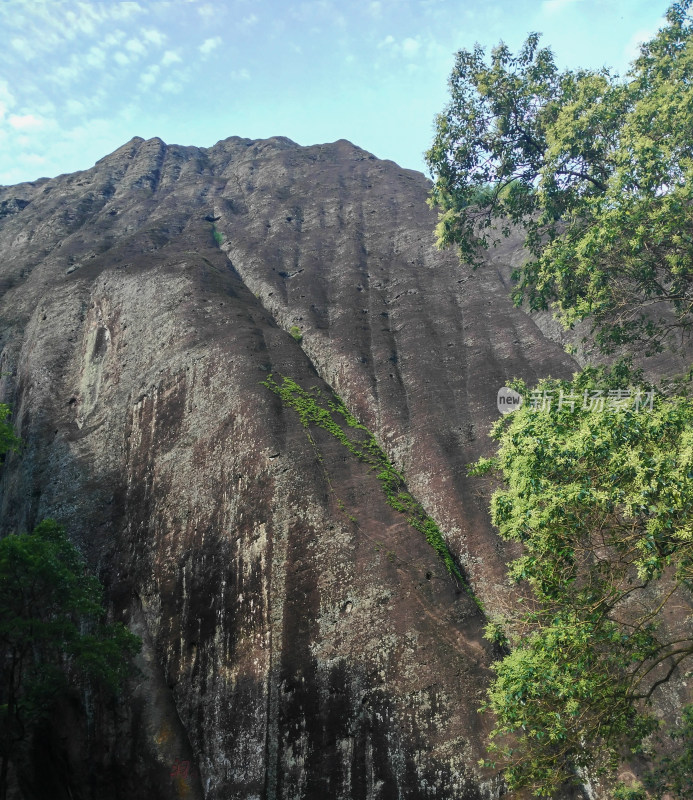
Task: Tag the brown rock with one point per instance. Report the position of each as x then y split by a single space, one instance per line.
290 651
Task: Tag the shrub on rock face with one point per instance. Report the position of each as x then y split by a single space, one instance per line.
53 635
8 440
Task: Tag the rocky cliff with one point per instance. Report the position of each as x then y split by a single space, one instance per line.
301 639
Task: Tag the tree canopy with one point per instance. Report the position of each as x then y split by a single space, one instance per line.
598 488
596 169
596 474
52 633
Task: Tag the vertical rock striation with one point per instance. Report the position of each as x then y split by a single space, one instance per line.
301 640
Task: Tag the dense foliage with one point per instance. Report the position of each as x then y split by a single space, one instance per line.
8 440
597 169
598 488
52 634
596 474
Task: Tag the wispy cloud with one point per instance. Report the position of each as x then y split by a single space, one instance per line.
408 47
135 47
95 57
172 86
23 47
114 38
75 107
7 100
170 57
206 11
209 45
124 10
26 122
149 77
553 6
153 36
67 73
632 49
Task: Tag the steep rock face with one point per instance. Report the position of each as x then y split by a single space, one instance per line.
301 640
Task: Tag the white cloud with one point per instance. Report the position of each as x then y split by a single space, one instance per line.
240 75
23 47
125 10
375 8
75 107
66 74
553 6
82 23
170 57
33 159
121 58
632 49
171 86
149 76
10 176
6 99
114 38
153 36
209 44
249 21
135 46
26 122
410 47
95 57
206 11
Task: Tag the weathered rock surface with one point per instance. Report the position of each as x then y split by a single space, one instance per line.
301 639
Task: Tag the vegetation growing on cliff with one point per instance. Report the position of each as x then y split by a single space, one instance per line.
52 635
599 172
331 415
8 440
295 331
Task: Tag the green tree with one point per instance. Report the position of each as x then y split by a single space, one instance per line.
8 440
52 634
598 489
597 170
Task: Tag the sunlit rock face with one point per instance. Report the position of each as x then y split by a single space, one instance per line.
301 640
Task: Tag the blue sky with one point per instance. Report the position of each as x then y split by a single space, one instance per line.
78 79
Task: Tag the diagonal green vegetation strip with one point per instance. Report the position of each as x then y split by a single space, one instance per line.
314 409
